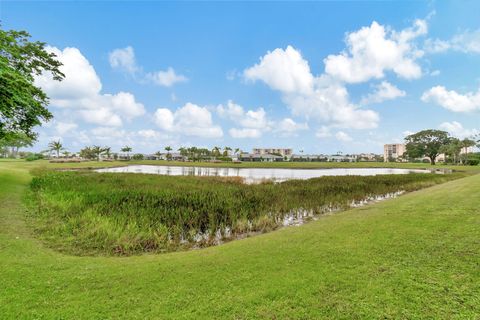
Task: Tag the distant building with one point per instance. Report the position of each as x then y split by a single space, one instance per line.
393 152
309 158
368 157
250 157
284 152
342 158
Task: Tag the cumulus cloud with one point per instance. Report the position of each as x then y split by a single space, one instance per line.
147 139
321 98
124 60
323 132
466 42
245 133
331 104
453 100
342 136
252 123
373 50
190 120
166 78
107 133
456 129
80 91
382 92
288 127
283 70
80 81
64 127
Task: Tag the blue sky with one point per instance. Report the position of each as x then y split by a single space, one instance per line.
316 76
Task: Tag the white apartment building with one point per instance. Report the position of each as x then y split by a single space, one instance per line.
393 151
284 152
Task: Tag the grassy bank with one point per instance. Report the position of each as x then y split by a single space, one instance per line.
414 257
290 165
90 213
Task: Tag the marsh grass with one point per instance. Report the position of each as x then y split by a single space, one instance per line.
87 213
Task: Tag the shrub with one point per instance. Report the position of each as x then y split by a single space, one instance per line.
472 162
34 156
137 156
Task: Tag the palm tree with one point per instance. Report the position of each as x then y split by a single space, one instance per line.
193 152
127 149
97 151
215 152
467 143
56 146
108 151
225 151
168 149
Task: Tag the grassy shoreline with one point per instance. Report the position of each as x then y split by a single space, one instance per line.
85 213
410 257
290 165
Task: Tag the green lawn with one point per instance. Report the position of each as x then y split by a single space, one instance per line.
416 257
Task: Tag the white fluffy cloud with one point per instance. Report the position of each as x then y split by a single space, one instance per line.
245 133
323 132
166 78
288 127
64 127
80 81
456 129
375 49
342 136
190 120
467 42
252 123
321 98
124 60
382 92
330 104
453 100
283 70
142 140
81 92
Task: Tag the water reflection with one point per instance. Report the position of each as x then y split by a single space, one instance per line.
252 175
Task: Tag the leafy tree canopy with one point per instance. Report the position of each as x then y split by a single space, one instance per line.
22 104
426 143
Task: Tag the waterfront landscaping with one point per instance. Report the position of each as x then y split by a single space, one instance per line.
84 212
410 257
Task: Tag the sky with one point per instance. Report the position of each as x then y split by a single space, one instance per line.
320 77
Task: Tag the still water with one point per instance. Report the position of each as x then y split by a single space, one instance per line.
253 175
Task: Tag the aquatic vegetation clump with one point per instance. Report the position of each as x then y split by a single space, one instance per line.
83 212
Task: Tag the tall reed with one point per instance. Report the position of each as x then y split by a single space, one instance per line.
84 212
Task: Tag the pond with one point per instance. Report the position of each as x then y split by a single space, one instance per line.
255 175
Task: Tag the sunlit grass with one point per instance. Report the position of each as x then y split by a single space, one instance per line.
84 212
414 257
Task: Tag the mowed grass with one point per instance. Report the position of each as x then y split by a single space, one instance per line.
414 257
84 212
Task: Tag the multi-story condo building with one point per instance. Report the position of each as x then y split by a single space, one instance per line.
393 151
284 152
